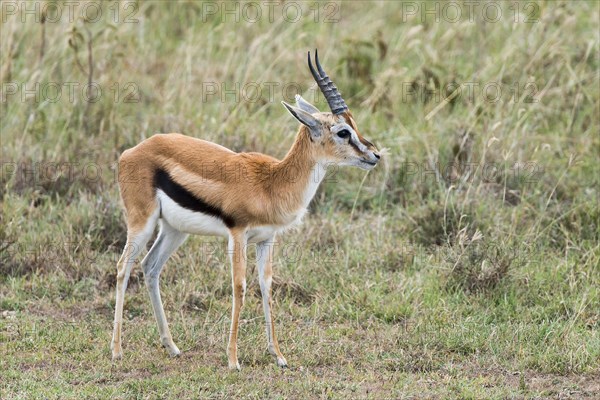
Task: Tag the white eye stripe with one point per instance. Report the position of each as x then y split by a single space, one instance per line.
340 127
353 136
357 142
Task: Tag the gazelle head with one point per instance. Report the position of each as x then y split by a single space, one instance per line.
334 135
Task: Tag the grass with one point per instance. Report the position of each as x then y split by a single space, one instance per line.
466 266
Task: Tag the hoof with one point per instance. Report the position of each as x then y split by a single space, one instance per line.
173 351
170 347
281 362
235 366
117 355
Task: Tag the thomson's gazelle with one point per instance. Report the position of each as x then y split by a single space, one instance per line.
191 186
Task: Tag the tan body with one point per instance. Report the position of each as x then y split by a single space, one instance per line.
191 186
256 190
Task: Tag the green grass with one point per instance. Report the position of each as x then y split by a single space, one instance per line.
417 281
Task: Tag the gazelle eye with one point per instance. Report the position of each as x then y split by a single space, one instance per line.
344 133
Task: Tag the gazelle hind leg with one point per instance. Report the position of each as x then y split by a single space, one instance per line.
169 239
136 242
264 260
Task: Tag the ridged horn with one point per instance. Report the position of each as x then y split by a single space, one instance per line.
329 90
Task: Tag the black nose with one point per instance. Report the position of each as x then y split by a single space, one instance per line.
377 156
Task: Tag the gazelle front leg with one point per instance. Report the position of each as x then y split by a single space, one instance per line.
264 259
237 255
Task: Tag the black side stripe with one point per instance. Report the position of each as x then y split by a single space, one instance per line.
186 199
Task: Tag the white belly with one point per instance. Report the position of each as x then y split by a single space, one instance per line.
197 223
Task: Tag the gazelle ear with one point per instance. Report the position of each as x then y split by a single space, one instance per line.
304 118
305 105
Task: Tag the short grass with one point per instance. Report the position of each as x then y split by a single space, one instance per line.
466 266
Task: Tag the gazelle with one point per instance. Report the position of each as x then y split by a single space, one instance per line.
191 186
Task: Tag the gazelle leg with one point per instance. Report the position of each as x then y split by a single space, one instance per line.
168 240
237 254
264 259
135 244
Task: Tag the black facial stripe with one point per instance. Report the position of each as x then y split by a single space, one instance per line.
351 141
183 197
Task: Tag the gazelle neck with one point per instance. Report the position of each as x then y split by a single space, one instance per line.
300 172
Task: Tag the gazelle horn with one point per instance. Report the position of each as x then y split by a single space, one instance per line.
329 90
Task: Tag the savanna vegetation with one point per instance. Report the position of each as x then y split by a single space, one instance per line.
467 265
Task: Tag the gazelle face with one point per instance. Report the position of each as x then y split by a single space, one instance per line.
348 147
335 138
335 134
